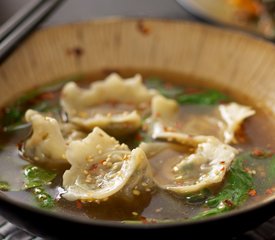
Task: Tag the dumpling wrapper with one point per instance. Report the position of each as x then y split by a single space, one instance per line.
233 115
49 139
188 173
222 121
114 104
101 168
46 144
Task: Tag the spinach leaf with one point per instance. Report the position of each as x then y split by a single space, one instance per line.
43 199
4 186
37 177
209 97
168 91
35 180
234 192
13 114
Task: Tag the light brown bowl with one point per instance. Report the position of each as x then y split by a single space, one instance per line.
223 58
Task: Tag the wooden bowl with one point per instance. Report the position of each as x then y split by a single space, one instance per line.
223 58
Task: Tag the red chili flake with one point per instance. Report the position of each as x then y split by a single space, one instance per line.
178 125
158 114
138 137
76 51
222 162
145 30
102 161
257 153
47 96
268 191
223 169
165 129
252 193
191 90
168 85
229 203
78 204
93 167
113 103
143 220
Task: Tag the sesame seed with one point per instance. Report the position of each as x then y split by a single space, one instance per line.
158 210
136 192
144 184
135 213
148 189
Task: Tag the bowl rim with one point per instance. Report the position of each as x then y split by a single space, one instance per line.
118 224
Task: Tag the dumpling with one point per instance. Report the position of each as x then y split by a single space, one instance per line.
101 168
185 170
233 115
164 114
49 139
221 121
115 104
46 144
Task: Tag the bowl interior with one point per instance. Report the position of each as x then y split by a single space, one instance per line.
225 59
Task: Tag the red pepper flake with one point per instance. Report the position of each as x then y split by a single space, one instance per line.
47 96
223 169
78 204
252 193
138 137
158 114
228 203
178 125
168 85
102 161
191 90
142 28
75 51
268 191
94 167
143 220
257 153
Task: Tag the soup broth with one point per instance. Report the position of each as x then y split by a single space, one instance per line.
252 167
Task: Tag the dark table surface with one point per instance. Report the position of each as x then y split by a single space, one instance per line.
81 10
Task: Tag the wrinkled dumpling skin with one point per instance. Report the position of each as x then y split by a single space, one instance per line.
164 111
233 115
192 172
101 168
113 104
225 122
46 144
49 139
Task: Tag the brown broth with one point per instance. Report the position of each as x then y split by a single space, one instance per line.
257 132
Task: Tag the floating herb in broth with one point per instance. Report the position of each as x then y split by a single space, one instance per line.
249 177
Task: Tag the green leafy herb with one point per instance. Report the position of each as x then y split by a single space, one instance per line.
234 192
4 186
164 89
198 198
209 97
37 177
44 199
13 114
35 180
